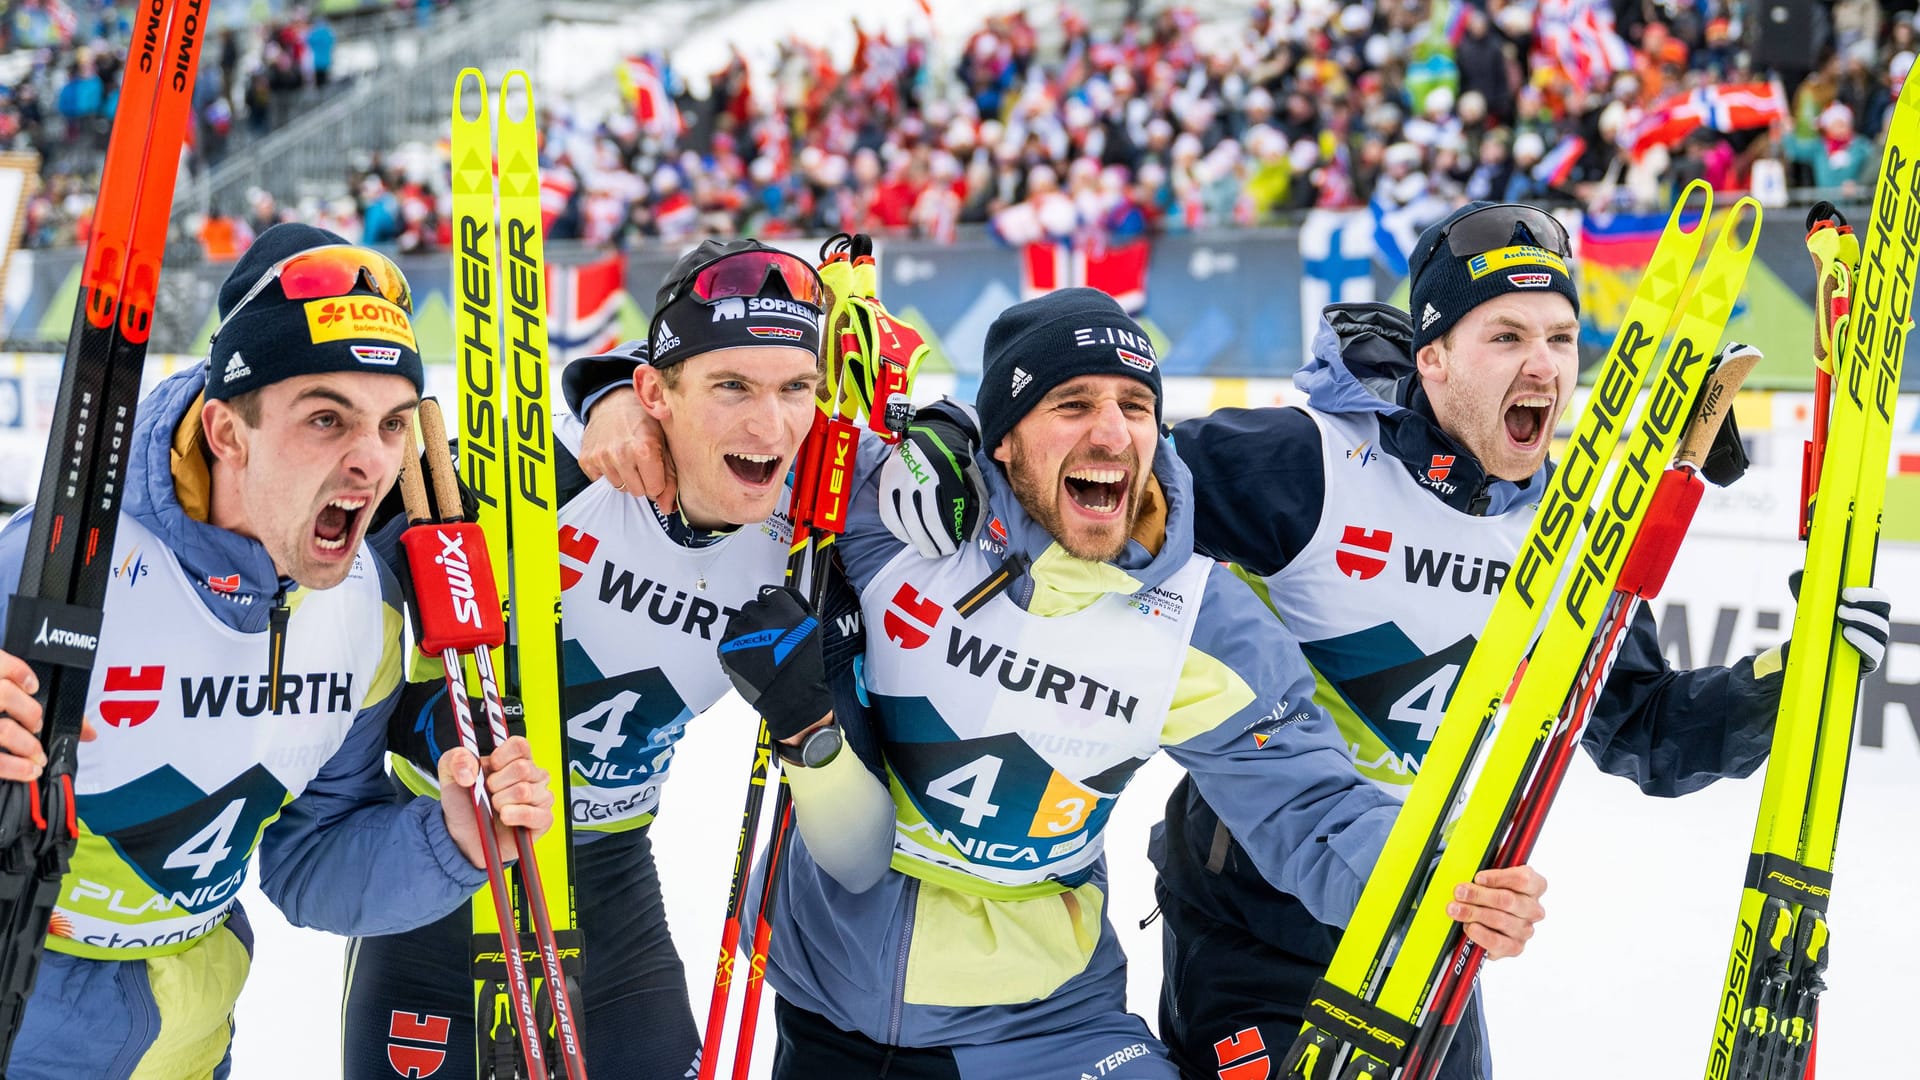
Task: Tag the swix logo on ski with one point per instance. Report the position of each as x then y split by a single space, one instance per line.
1361 554
452 560
129 696
249 695
676 609
416 1057
576 554
358 317
131 569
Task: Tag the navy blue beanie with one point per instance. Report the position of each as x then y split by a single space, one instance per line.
273 338
1036 345
1446 286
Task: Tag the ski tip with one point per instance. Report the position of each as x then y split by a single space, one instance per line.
523 95
1688 221
460 112
1746 212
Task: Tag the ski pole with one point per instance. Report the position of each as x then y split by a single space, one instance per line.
459 613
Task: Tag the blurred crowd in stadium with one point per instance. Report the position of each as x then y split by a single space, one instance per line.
1168 122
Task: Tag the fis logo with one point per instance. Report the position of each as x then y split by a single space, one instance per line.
910 619
732 307
1363 453
409 1059
131 569
1362 553
143 683
576 554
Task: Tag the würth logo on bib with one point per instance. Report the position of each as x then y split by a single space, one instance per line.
129 696
911 618
576 554
1439 466
1362 553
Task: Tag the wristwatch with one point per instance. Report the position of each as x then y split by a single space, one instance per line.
819 747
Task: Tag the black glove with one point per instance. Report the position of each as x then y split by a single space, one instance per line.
931 493
771 650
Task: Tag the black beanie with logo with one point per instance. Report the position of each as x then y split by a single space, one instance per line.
685 326
1038 344
1446 286
271 338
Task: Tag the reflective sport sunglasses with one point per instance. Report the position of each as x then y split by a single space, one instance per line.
744 274
324 273
1490 228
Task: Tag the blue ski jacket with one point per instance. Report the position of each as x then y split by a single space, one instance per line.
308 792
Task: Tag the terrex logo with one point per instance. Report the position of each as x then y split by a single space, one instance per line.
143 683
1439 466
576 554
1362 553
911 618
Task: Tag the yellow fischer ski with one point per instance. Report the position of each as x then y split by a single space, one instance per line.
507 460
1764 1023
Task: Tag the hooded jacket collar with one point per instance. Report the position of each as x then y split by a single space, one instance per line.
169 482
1362 362
1055 582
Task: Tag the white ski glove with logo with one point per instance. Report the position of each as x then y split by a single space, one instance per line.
931 492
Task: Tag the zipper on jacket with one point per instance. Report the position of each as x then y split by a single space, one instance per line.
276 646
899 1002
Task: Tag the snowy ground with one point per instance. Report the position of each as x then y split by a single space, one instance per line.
1622 980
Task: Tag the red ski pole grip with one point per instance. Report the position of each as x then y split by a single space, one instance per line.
455 603
1674 502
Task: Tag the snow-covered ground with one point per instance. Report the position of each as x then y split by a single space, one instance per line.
1621 981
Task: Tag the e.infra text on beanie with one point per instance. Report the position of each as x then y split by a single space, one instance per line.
304 301
1483 251
1038 344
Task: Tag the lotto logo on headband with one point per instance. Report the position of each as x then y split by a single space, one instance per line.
353 317
1519 255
